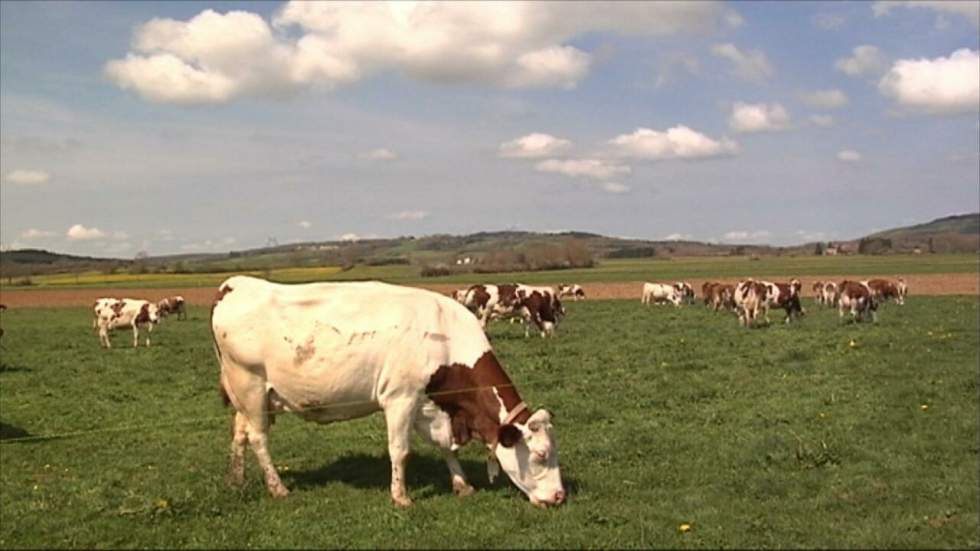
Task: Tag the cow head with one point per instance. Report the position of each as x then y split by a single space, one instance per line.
528 453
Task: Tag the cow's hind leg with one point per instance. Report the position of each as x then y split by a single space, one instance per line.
253 408
398 417
239 435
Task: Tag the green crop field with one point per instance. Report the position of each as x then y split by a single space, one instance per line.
816 435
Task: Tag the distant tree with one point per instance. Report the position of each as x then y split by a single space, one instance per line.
818 249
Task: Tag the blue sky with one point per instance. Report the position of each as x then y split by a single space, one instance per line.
178 127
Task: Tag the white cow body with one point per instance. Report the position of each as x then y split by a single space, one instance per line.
126 312
658 293
336 351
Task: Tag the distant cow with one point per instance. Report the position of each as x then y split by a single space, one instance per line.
570 290
172 305
538 305
751 298
882 289
126 312
719 295
818 291
686 290
827 294
658 293
331 352
857 298
787 297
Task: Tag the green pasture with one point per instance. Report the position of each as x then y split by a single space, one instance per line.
657 269
814 435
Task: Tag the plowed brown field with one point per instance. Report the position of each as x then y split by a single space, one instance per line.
925 284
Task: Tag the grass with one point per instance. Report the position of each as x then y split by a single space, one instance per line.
607 270
779 437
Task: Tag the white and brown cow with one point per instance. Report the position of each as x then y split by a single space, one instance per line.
125 312
826 293
858 299
570 290
718 295
336 351
882 289
172 305
686 290
541 306
818 291
537 305
751 299
659 293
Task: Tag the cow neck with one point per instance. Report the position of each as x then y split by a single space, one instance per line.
472 397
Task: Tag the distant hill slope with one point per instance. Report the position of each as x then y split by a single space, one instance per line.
958 233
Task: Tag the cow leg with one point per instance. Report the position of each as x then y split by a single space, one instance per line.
398 416
239 435
435 427
136 336
104 337
149 329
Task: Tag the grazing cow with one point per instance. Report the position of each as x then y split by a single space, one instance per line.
785 296
126 312
658 293
101 305
882 289
570 290
706 289
530 304
336 351
829 293
720 295
459 295
542 306
859 300
903 289
686 290
751 297
172 305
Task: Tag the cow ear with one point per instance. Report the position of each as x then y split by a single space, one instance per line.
508 435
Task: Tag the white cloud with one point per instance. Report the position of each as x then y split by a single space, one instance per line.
533 145
79 232
679 237
599 169
356 237
749 65
305 224
824 121
33 233
864 60
965 8
613 187
216 57
758 117
828 21
380 154
679 142
746 236
409 215
942 85
27 177
849 156
824 99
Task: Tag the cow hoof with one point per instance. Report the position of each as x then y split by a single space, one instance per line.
279 492
463 490
402 502
235 479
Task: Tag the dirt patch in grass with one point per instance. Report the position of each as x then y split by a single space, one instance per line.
923 284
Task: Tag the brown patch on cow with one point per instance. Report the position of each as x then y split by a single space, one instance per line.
117 308
853 289
304 352
144 315
480 296
543 307
466 394
883 288
507 294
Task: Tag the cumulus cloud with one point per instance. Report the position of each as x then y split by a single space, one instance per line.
849 156
215 57
942 85
33 233
614 187
824 99
746 236
27 177
864 60
533 145
758 117
79 232
749 65
380 154
305 224
409 215
964 8
679 142
824 121
679 237
599 169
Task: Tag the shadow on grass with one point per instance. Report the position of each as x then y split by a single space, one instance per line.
10 432
425 475
7 368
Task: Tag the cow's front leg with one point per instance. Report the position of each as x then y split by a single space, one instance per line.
398 416
136 335
149 329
